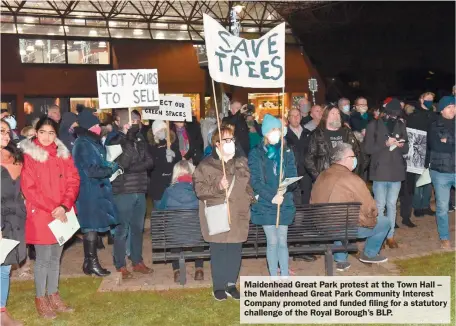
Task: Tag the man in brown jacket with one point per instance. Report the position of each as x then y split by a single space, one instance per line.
339 184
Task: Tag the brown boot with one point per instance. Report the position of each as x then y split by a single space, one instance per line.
7 320
177 275
143 269
199 274
445 244
392 243
44 309
125 273
57 304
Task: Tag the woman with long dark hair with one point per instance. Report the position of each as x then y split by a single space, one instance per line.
50 184
13 214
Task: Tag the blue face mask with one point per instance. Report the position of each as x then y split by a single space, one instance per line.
346 108
428 104
11 122
355 163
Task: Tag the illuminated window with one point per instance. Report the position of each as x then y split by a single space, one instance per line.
88 52
42 51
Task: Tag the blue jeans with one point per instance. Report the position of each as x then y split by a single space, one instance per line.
374 239
422 196
4 284
132 209
386 194
442 186
277 249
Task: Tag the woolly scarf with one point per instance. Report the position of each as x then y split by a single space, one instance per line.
273 153
185 178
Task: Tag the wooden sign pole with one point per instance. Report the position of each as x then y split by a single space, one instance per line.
220 140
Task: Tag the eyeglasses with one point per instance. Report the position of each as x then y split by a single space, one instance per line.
4 132
228 140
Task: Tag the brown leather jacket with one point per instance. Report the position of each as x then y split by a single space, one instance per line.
338 184
206 179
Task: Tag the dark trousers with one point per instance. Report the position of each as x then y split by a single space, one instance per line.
406 195
132 209
301 196
198 262
225 264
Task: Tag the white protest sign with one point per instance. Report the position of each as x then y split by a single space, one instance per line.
246 63
172 108
127 88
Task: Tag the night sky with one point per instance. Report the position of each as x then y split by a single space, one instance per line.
387 48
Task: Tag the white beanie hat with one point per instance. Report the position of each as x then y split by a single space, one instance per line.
157 125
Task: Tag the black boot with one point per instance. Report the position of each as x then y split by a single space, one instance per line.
110 239
409 223
91 264
100 244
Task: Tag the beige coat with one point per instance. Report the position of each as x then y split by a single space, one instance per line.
206 179
337 184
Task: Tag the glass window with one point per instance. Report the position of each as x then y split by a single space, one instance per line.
91 102
266 103
88 52
42 51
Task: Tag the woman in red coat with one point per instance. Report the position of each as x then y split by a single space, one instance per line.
50 185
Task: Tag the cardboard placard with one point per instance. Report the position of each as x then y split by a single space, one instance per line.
127 88
171 108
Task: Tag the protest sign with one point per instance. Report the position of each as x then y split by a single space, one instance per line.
171 108
127 88
246 63
416 155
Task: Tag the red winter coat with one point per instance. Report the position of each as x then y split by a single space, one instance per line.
49 179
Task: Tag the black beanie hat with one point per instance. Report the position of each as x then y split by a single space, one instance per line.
86 118
393 107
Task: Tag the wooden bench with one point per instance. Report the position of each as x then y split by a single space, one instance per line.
314 230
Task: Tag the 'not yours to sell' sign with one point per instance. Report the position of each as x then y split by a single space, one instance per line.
127 88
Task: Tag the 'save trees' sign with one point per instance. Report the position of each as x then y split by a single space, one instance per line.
172 108
127 88
242 62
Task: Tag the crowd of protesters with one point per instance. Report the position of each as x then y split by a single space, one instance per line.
60 163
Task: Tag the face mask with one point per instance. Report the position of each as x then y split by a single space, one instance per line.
305 108
274 137
346 108
229 148
96 129
362 109
428 104
160 135
11 121
250 124
335 124
355 163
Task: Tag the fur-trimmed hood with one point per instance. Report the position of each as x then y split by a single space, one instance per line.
39 154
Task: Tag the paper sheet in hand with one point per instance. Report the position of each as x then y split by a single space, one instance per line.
115 175
288 181
6 245
424 179
113 152
64 231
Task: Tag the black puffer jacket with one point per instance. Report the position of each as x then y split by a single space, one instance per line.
300 147
318 157
13 217
442 155
135 160
160 176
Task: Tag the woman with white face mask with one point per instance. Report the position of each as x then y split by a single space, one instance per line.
264 164
211 186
